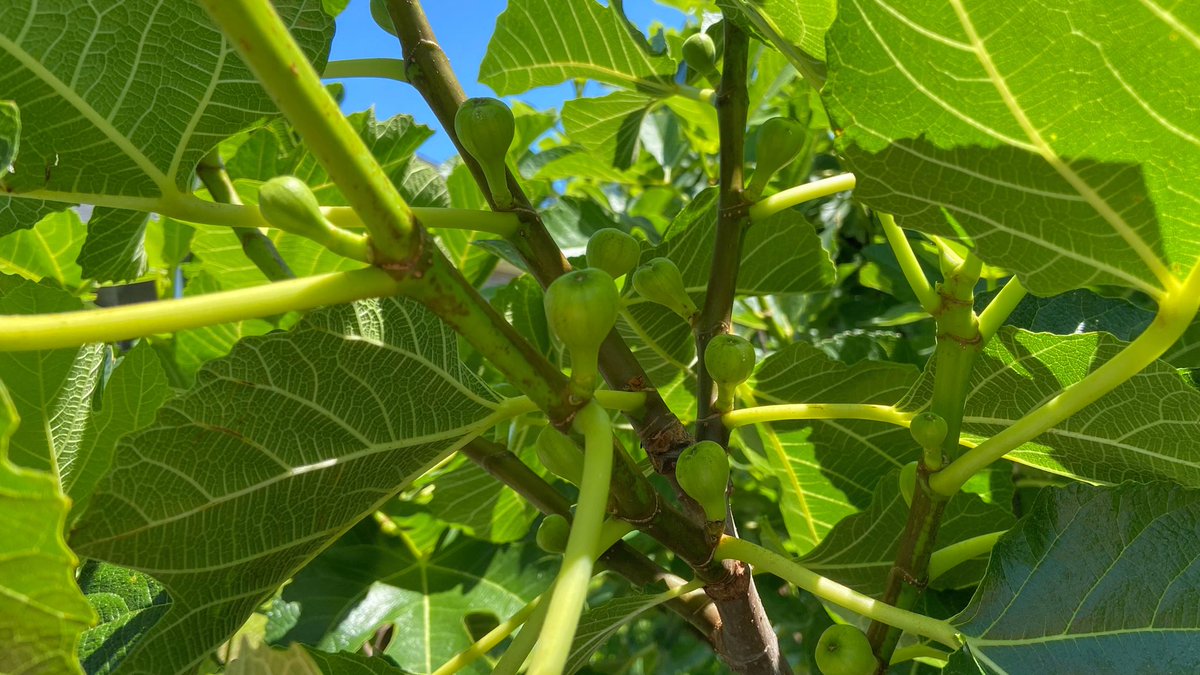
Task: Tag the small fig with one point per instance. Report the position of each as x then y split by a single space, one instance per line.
729 360
613 251
660 281
908 482
287 203
844 650
700 54
485 127
582 307
779 142
553 533
929 430
703 473
559 455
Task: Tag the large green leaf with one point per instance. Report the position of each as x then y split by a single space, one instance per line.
122 113
53 389
344 410
128 401
828 470
861 549
47 251
42 611
1092 580
369 580
543 42
609 126
961 118
795 27
1142 430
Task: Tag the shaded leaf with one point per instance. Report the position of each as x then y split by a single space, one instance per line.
127 603
47 251
1091 580
1066 175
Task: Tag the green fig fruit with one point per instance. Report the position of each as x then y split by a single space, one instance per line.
613 251
779 142
703 473
485 127
700 54
559 455
581 308
660 281
729 360
553 533
929 430
287 203
844 650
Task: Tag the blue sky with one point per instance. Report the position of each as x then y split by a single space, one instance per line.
463 29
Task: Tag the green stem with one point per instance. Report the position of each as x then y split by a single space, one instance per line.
786 199
1000 308
570 592
703 95
489 641
918 651
503 223
112 324
945 559
909 264
830 590
1175 313
816 411
263 41
389 69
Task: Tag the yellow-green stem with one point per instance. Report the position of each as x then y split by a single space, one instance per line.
1000 308
909 264
816 411
261 38
390 69
916 652
786 199
945 559
1175 313
71 329
765 560
562 615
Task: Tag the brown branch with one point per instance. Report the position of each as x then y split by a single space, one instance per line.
502 464
747 642
660 431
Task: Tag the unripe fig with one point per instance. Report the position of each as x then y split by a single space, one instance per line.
582 307
844 650
660 281
287 203
485 127
729 360
779 141
552 534
908 482
703 473
928 430
560 455
613 251
700 54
